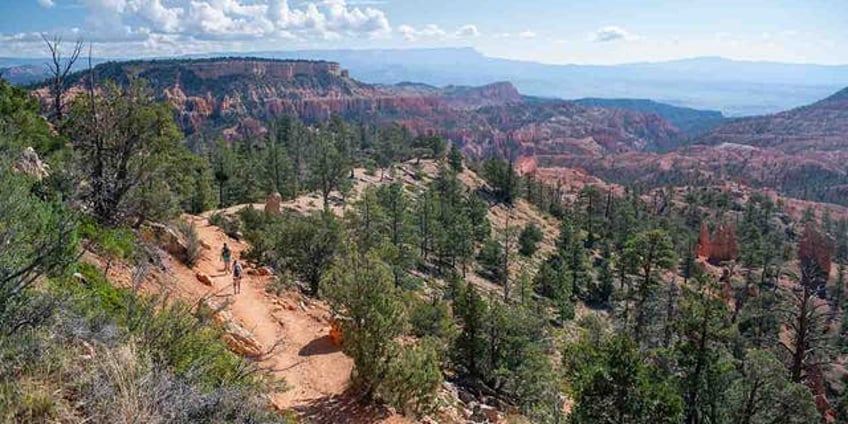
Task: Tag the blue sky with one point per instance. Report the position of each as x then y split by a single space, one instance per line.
552 31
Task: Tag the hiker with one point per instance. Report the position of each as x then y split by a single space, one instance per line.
237 274
226 256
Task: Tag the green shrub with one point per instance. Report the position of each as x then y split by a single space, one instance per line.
413 378
432 319
229 225
251 218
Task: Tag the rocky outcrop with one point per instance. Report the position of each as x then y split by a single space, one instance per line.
721 246
273 204
30 164
216 93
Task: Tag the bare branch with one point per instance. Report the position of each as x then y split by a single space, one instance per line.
59 69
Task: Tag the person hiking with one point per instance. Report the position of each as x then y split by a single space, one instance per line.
226 256
237 274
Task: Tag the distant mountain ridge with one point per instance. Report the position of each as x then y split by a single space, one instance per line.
736 88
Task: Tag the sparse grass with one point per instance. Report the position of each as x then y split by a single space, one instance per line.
193 248
107 355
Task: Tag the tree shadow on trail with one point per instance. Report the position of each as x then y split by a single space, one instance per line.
344 408
321 346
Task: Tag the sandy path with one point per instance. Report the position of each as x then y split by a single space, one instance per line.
312 367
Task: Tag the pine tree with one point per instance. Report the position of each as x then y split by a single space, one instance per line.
455 159
396 205
529 239
802 313
703 327
614 384
470 309
650 252
328 168
600 289
574 252
764 394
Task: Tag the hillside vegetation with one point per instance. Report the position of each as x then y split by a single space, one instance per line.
457 288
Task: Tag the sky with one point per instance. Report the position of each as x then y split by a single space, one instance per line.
549 31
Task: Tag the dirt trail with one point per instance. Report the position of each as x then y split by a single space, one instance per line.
316 372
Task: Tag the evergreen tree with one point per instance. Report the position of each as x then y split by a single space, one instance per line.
328 168
764 394
396 206
471 310
304 245
613 384
455 159
503 179
650 252
703 327
491 258
223 168
600 289
529 239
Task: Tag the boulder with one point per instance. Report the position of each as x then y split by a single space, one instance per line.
203 278
273 204
30 164
166 237
261 271
238 339
241 341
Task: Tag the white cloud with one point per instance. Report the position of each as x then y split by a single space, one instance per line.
612 33
46 3
155 21
467 31
434 32
526 34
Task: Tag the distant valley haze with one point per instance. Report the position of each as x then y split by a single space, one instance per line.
733 87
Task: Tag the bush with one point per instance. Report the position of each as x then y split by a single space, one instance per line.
38 239
230 226
370 167
251 218
413 378
433 319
